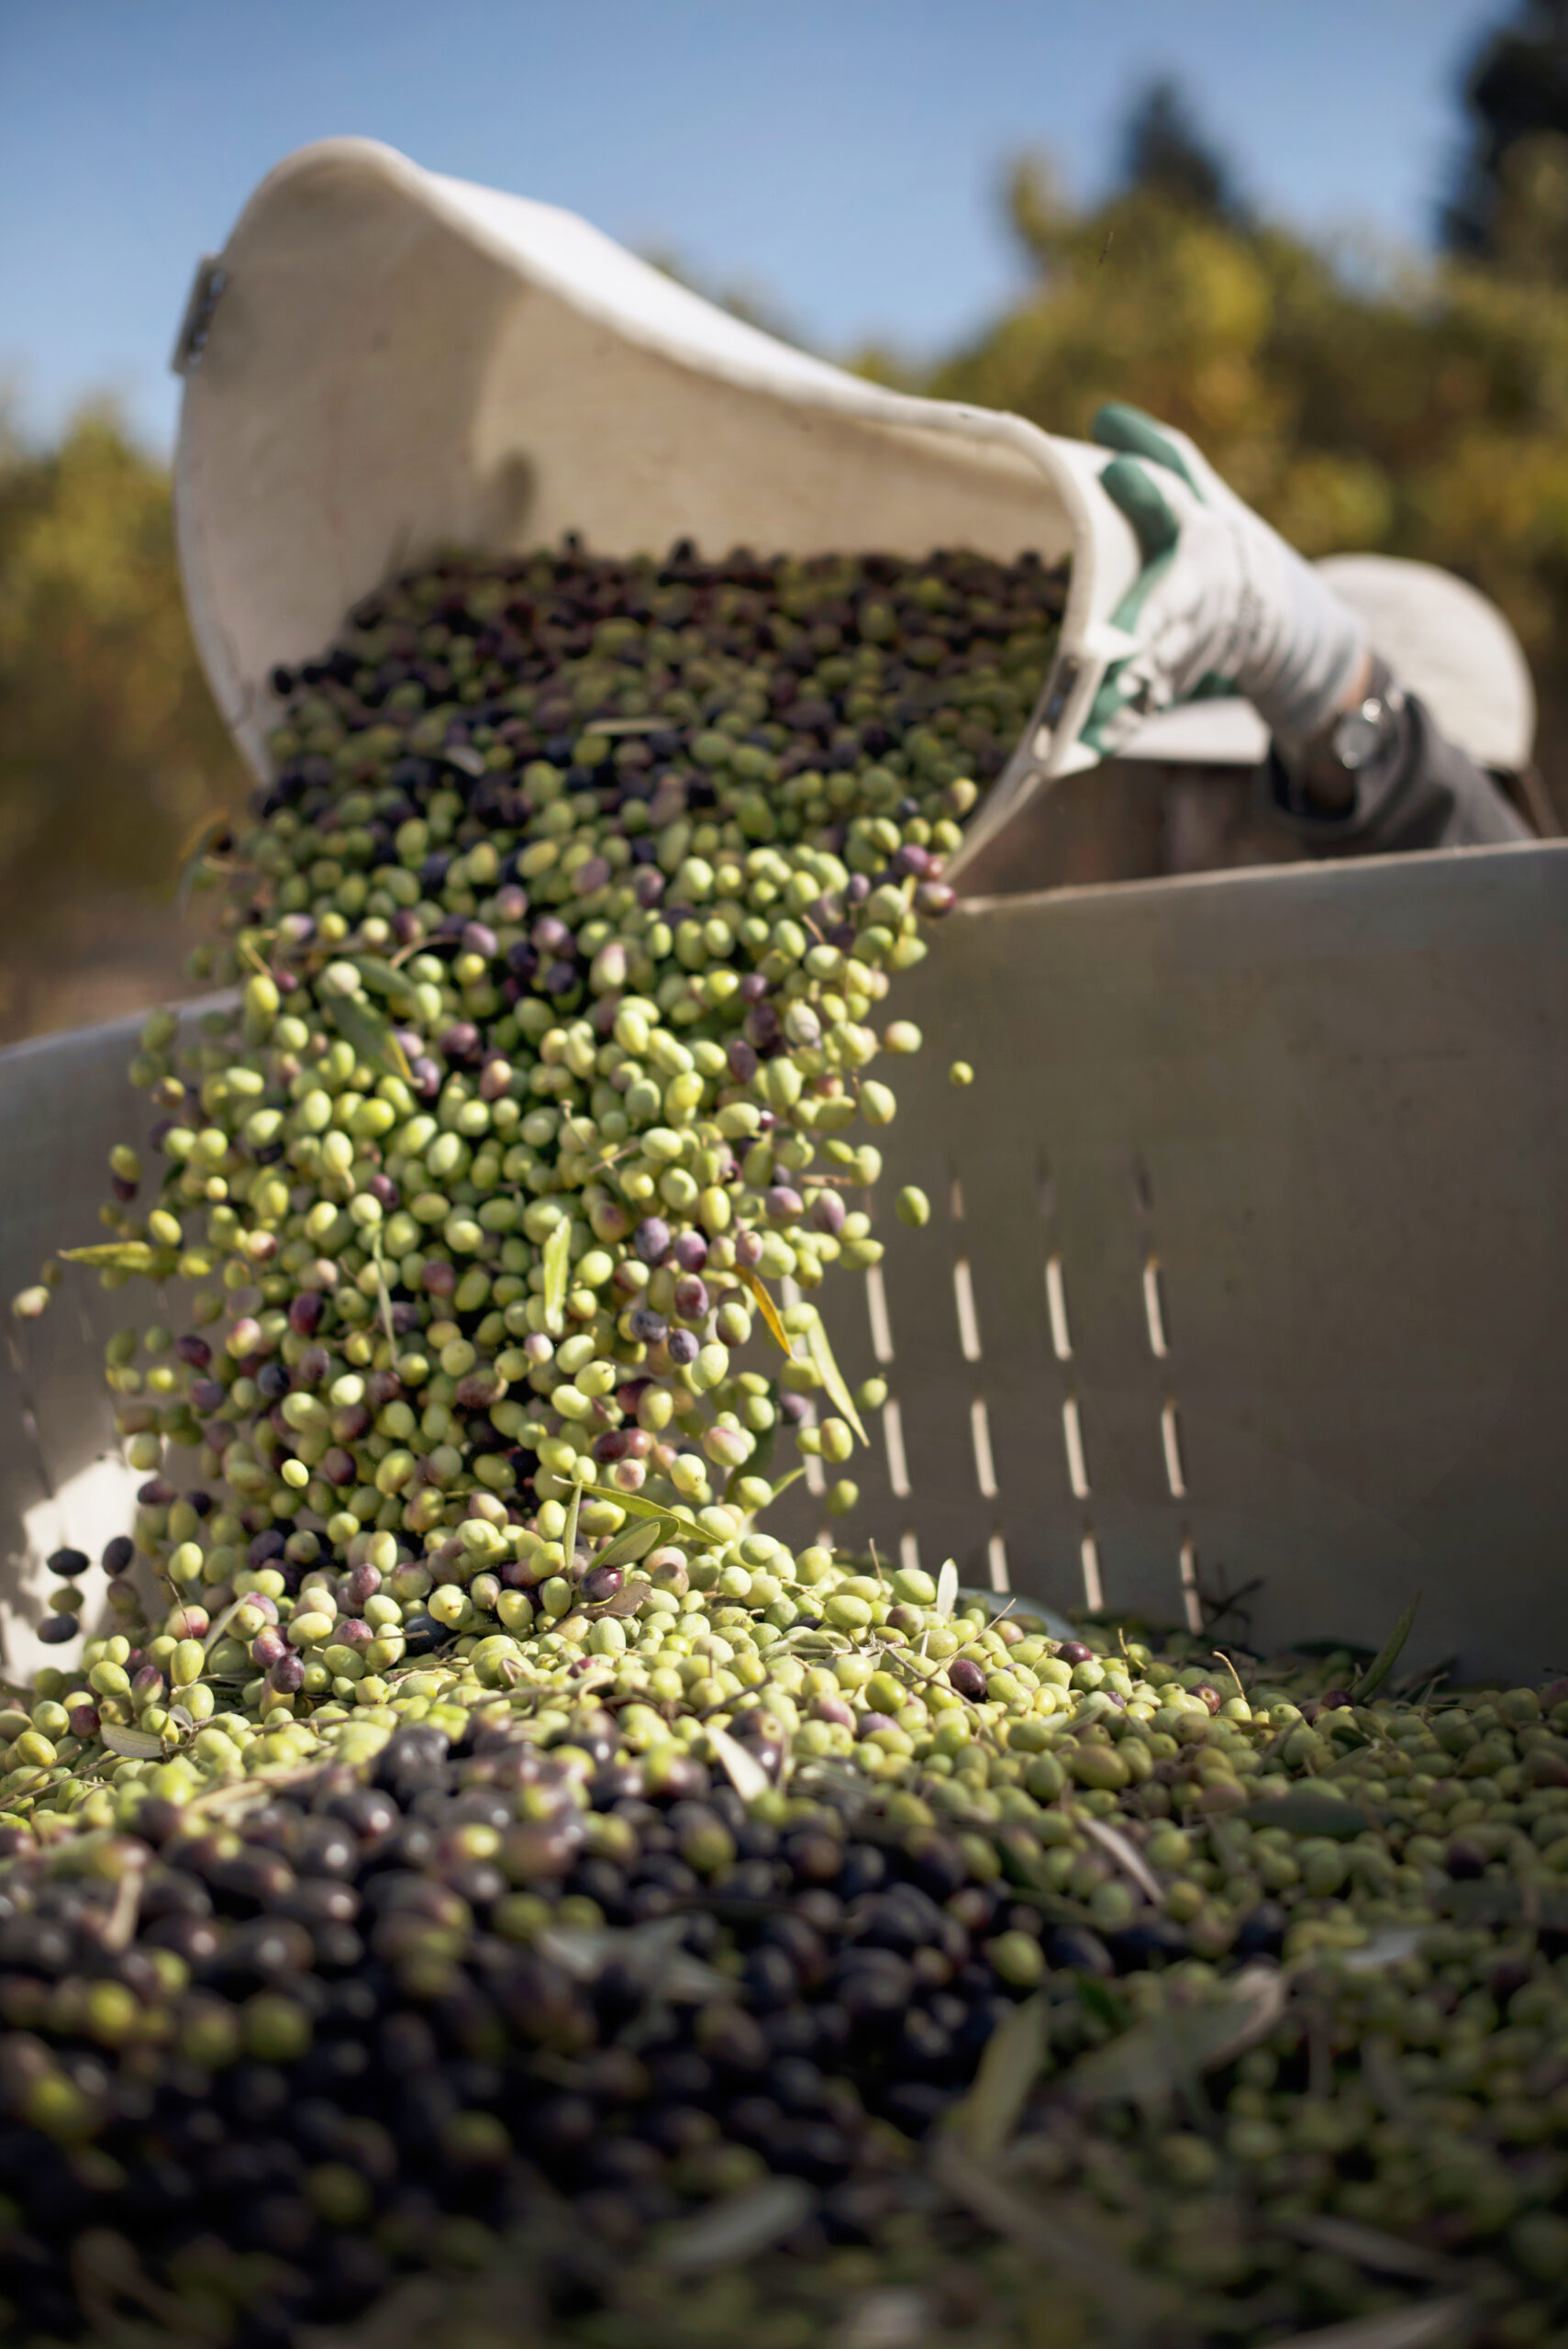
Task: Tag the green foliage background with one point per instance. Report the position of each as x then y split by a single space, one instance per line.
1423 414
1358 400
111 751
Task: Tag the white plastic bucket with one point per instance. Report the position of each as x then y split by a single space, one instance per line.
382 362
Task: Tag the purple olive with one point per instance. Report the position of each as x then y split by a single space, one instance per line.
460 1040
652 1240
361 1582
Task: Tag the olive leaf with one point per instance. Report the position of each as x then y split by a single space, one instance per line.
368 1032
556 1256
767 1308
634 1541
683 1527
745 1773
1014 2058
569 1538
652 1954
624 1601
1389 1946
119 1256
1147 2064
382 1295
1305 1810
1369 2247
385 978
1503 1904
1420 2327
739 2226
209 830
1387 1656
1126 1854
1078 2246
133 1744
467 762
832 1377
947 1590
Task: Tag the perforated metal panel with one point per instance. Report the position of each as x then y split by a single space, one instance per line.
1244 1297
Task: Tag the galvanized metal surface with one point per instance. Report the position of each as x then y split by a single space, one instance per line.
1244 1293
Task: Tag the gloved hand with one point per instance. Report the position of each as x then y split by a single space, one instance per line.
1222 603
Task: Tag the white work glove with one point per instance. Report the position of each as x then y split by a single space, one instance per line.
1221 605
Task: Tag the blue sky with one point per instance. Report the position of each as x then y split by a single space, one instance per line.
841 155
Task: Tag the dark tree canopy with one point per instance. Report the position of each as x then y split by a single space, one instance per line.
1165 153
1507 202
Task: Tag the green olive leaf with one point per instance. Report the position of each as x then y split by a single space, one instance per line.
738 2227
768 1309
745 1773
1014 2058
556 1256
1419 2326
121 1256
208 833
569 1538
947 1590
634 1542
1387 1656
624 1601
131 1744
369 1035
682 1526
1147 2064
821 1356
1307 1811
382 1295
385 978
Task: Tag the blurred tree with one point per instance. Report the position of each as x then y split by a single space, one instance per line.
111 748
1509 204
1164 153
1419 410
